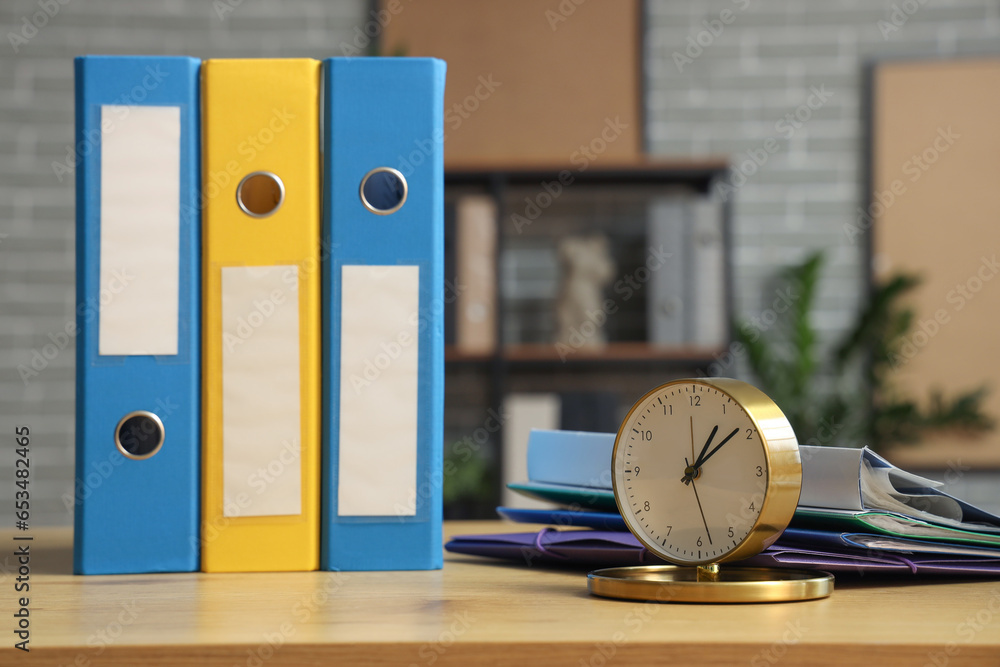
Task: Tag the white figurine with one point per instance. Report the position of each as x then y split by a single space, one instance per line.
586 269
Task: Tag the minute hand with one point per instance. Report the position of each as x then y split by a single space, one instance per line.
701 461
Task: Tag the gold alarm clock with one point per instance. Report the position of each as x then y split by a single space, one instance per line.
707 471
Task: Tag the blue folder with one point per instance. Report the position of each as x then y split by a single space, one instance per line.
138 266
383 324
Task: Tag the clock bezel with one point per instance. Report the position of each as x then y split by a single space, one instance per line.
784 468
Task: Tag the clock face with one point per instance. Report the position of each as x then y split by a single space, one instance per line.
691 472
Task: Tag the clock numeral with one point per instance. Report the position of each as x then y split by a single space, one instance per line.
645 435
635 470
731 531
699 541
760 471
668 409
645 506
669 528
723 408
750 433
695 401
751 506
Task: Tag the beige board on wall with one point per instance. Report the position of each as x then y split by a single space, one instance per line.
529 81
936 177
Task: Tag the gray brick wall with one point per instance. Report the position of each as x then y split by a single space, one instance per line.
37 208
726 101
728 93
765 63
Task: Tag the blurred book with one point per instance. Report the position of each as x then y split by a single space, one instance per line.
593 411
708 293
686 299
476 274
523 413
668 297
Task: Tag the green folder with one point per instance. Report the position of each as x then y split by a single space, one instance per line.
573 497
890 523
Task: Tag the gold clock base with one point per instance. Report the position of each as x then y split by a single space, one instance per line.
675 583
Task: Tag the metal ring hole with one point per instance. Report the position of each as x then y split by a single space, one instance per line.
260 194
383 190
139 435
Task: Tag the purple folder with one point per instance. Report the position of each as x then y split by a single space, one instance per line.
598 548
558 547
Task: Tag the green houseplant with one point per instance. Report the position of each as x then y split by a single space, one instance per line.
848 397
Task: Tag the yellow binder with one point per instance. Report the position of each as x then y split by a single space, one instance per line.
261 185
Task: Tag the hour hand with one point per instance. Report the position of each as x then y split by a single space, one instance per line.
718 447
708 443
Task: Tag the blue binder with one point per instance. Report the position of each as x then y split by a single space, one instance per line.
383 315
138 266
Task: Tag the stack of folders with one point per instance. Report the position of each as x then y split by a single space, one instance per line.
857 514
260 341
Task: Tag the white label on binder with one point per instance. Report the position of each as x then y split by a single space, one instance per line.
261 414
140 230
379 334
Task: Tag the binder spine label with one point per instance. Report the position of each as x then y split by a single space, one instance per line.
261 403
139 230
379 351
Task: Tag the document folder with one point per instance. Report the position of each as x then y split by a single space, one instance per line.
262 327
137 317
383 366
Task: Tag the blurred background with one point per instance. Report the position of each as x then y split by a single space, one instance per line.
799 194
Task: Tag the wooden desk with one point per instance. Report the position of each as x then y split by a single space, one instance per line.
473 612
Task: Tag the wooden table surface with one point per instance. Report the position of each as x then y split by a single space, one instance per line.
473 611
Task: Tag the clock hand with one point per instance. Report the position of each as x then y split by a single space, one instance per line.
693 486
692 436
711 436
717 447
689 471
692 470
